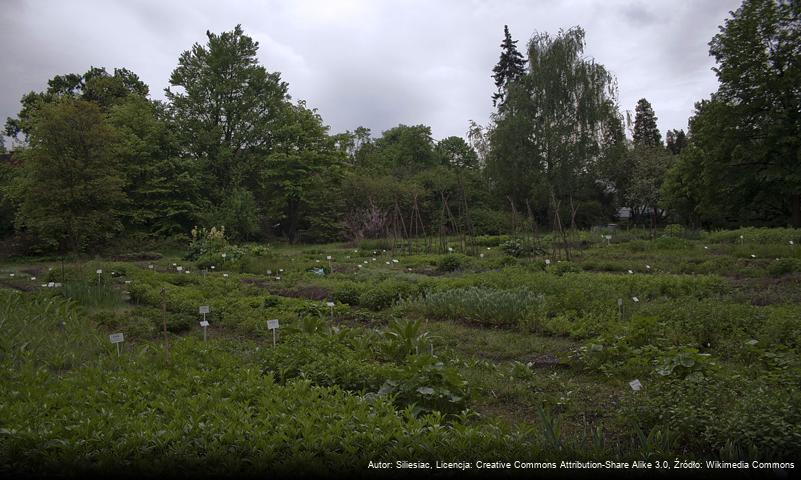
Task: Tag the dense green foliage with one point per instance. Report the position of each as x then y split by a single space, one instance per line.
504 356
229 147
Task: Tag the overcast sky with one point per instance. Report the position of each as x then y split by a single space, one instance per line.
375 63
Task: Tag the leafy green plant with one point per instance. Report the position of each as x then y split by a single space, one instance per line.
404 338
450 263
427 384
515 248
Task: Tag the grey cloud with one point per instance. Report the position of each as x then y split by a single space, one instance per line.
376 64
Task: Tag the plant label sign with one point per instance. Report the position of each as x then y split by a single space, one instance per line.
204 309
269 272
635 385
330 304
328 257
99 271
547 262
635 299
180 269
204 323
117 339
273 325
619 302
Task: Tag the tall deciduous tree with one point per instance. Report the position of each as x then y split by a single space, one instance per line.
299 186
226 107
745 141
162 187
550 136
455 152
71 189
96 85
510 66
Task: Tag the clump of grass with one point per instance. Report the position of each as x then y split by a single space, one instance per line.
92 296
44 331
482 305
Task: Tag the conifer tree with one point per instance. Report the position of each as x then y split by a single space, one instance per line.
646 133
509 67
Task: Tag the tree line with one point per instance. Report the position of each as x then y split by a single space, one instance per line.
97 159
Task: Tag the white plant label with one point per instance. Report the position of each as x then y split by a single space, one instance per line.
51 284
635 385
330 304
387 263
99 271
269 272
180 269
648 267
791 242
394 261
212 267
150 267
272 324
10 274
547 262
359 265
631 271
278 278
44 285
127 282
33 278
481 255
116 337
204 323
753 256
225 275
224 255
280 269
635 299
619 302
187 271
204 309
328 257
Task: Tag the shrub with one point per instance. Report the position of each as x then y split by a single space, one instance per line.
450 263
560 268
385 293
784 266
516 248
206 242
347 292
